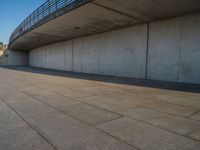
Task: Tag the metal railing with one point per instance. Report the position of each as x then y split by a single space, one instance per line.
44 11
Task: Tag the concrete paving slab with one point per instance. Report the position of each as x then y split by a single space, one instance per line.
35 91
107 103
73 93
102 143
90 114
7 90
149 102
17 96
61 130
172 123
131 100
16 134
180 99
147 137
72 112
57 100
195 116
86 113
102 90
195 135
170 108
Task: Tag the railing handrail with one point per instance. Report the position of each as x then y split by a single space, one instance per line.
45 10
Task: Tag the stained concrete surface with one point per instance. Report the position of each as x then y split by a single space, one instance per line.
46 109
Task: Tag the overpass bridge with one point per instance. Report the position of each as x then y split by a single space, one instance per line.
58 20
140 39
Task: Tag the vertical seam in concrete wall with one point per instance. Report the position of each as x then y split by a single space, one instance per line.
178 69
45 56
72 55
147 52
28 58
98 57
82 54
179 50
65 68
41 55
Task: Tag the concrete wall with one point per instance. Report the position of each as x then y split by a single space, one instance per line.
171 52
174 50
121 53
14 58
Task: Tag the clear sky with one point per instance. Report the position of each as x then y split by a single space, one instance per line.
12 13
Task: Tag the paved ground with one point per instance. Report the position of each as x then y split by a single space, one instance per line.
49 110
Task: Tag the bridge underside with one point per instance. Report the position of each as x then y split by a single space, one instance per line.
100 16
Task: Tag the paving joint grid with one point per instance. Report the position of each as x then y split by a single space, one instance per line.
171 113
186 136
79 100
109 110
108 121
32 127
88 123
171 103
192 115
177 105
186 117
123 88
75 99
111 119
54 107
118 87
72 117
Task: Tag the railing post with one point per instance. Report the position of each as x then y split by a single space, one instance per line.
43 11
33 18
56 4
38 15
65 2
49 8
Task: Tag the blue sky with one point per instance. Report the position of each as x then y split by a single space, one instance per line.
12 13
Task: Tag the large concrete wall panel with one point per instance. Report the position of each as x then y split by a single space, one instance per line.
189 70
56 56
91 51
36 57
174 50
120 53
59 56
77 54
163 51
123 52
14 58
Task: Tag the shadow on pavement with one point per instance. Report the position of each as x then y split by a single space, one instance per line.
195 88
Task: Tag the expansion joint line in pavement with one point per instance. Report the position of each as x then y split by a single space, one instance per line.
48 141
68 115
84 121
120 116
105 121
